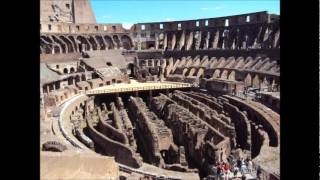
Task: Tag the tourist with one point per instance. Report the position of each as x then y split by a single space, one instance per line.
243 177
250 165
239 163
259 173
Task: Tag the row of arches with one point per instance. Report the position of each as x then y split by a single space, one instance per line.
72 80
240 37
53 44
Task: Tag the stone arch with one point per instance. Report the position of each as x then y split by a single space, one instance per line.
100 40
248 80
256 81
109 42
232 76
265 83
240 63
68 43
65 71
116 40
224 74
200 73
192 71
220 62
150 62
72 70
83 44
216 73
45 46
231 62
70 80
58 41
247 62
73 41
83 77
126 42
77 78
93 43
184 71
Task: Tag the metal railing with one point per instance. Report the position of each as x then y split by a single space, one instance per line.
129 89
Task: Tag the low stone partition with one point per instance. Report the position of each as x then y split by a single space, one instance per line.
196 135
207 100
242 125
65 117
155 136
126 123
109 131
269 123
205 113
122 153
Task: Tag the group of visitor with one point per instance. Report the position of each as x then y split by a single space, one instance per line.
234 169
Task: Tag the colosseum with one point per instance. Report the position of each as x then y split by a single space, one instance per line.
161 100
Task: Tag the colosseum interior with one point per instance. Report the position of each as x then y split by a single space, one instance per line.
165 100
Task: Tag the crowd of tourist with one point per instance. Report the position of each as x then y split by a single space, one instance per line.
233 169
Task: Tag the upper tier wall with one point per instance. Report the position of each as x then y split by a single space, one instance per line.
80 28
251 18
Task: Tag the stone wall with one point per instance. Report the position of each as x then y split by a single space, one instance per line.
122 153
155 136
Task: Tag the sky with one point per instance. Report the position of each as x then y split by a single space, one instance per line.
131 12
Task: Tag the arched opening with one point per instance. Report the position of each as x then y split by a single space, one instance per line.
83 77
57 84
93 43
83 45
72 70
248 81
77 78
256 82
109 42
130 69
62 45
232 76
65 71
70 80
216 73
151 46
126 42
101 43
116 40
68 43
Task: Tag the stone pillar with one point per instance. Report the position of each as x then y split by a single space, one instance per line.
48 88
136 94
54 87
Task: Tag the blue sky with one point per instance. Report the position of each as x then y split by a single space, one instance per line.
131 12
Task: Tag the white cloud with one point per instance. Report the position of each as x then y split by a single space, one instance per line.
204 8
169 19
127 25
218 7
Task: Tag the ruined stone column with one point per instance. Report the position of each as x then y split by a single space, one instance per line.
215 40
136 94
48 89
